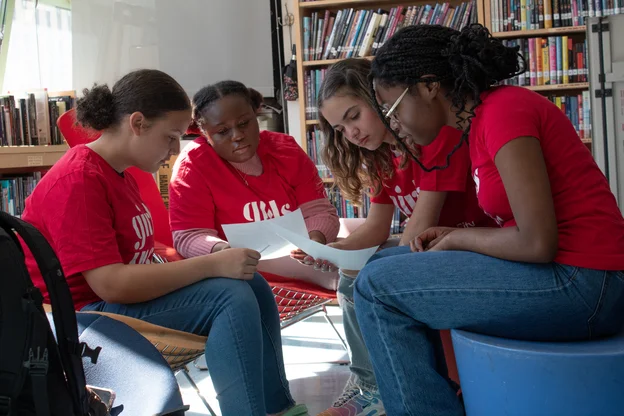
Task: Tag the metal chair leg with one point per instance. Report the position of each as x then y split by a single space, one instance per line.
329 321
194 385
199 366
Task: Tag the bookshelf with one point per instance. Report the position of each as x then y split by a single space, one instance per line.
26 158
505 19
553 23
30 142
397 13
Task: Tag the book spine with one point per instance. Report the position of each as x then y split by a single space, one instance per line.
552 53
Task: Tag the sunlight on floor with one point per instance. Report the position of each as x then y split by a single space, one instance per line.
310 348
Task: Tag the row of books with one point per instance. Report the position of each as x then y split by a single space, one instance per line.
313 80
511 15
315 143
30 120
358 33
551 61
346 209
578 110
15 190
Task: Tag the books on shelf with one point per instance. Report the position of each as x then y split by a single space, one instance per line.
15 190
30 119
348 210
577 108
313 80
512 15
551 61
351 32
315 143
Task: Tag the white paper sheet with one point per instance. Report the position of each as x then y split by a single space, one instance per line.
260 236
344 259
277 237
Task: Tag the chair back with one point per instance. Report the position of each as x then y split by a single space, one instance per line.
75 134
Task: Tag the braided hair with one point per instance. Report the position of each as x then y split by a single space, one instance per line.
466 63
208 95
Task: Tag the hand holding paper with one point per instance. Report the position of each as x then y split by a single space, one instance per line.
344 259
277 237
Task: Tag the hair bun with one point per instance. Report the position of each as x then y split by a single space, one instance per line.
474 50
256 98
96 109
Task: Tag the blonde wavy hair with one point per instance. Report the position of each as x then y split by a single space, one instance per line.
355 169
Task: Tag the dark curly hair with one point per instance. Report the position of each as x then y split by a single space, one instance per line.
211 93
355 169
465 63
148 91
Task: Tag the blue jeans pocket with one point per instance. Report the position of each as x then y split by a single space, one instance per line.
608 316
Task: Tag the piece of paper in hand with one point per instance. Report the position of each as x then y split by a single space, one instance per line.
344 259
261 237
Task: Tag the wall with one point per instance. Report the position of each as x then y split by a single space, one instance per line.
198 42
294 120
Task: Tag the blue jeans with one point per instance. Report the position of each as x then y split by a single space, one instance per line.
244 346
362 374
402 297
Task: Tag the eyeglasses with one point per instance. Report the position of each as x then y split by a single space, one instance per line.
390 113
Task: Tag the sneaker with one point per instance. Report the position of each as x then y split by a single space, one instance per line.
354 403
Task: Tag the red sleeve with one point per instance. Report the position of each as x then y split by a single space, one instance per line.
454 177
382 198
501 122
191 204
79 219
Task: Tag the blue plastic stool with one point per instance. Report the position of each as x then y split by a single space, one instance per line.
502 377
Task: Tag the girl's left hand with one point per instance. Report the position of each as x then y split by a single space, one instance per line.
433 239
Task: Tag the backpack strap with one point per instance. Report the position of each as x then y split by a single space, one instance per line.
63 312
38 361
15 334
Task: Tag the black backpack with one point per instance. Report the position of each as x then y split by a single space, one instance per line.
39 375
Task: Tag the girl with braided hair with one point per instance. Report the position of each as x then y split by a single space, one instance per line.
363 155
553 272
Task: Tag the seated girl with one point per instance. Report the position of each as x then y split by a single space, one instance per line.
362 154
236 173
553 272
91 212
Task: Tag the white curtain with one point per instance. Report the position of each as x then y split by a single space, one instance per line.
40 49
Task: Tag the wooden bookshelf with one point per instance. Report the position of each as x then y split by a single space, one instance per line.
328 62
560 87
306 8
24 158
540 32
360 4
484 16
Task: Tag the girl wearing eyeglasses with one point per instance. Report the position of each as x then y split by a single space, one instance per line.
553 272
363 155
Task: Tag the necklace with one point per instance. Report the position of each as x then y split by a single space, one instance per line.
241 175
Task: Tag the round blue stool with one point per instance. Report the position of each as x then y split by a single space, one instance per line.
502 377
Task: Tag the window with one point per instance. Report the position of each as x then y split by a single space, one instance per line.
40 48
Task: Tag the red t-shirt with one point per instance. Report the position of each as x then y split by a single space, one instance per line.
92 216
206 191
460 208
591 227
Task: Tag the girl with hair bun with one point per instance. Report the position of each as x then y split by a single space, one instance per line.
552 272
92 214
